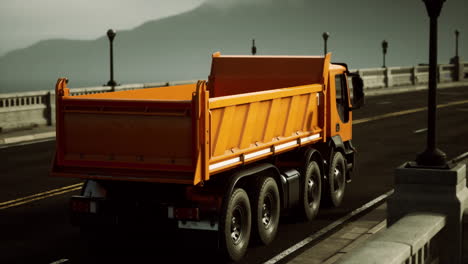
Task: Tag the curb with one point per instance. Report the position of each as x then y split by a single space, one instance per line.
25 138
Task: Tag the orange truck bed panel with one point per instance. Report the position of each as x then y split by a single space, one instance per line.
185 134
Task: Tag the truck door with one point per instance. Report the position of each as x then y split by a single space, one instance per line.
341 118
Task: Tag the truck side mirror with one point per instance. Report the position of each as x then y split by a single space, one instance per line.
358 92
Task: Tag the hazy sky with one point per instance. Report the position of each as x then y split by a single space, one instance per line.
24 22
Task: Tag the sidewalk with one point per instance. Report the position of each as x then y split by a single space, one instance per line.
25 135
351 235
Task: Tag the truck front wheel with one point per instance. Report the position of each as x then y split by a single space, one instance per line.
236 225
266 211
336 181
311 190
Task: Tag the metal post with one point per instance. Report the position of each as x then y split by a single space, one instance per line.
384 51
254 49
325 36
456 42
111 35
432 156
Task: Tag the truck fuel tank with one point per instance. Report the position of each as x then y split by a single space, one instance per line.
290 180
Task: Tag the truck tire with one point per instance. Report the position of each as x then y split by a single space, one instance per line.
236 225
266 209
311 190
336 182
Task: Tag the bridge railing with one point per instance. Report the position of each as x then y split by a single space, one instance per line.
29 109
414 239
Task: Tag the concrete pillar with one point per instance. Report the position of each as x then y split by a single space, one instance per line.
387 77
434 190
414 80
459 69
439 73
50 108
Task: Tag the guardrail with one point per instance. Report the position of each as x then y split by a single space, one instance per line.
30 109
414 239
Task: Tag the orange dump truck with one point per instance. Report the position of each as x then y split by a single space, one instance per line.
263 135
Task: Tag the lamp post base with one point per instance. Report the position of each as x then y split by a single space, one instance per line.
432 158
111 83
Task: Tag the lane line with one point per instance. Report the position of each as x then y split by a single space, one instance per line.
327 229
405 112
40 196
60 261
420 130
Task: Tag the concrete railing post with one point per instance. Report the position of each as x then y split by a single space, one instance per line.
439 73
413 76
458 70
51 108
387 76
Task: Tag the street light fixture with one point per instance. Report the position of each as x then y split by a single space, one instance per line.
111 35
432 156
325 36
384 51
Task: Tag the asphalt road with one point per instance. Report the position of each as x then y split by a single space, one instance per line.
39 232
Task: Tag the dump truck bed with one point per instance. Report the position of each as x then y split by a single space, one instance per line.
186 134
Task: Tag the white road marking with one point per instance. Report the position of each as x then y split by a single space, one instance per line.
420 130
326 229
60 261
384 102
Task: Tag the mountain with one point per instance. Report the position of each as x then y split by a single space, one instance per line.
180 47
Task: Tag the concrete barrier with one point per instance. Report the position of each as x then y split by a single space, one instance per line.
413 239
31 109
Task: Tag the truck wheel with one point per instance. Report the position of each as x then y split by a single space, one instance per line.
336 182
311 190
266 209
236 225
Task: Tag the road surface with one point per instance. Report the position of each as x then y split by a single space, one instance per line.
386 135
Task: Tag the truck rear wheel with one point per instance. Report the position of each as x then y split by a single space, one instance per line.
336 181
236 225
266 209
311 190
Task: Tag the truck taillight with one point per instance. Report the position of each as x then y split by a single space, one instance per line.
80 205
186 213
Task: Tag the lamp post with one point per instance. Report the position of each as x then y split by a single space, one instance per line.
254 49
432 156
111 35
456 43
325 36
384 51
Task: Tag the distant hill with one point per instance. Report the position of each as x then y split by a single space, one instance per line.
180 47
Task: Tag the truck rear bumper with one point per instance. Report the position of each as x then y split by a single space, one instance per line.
88 211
